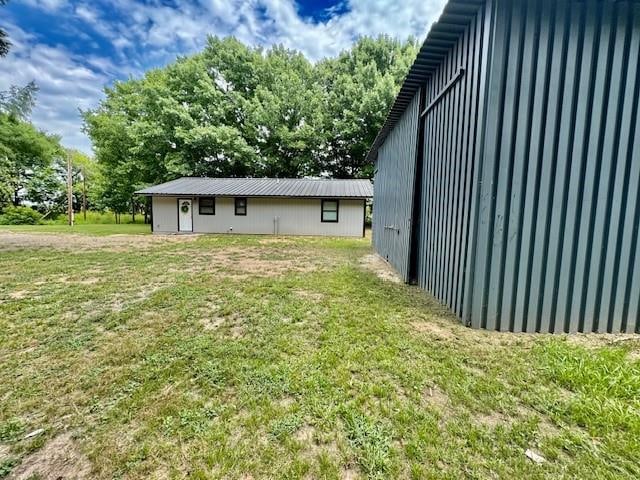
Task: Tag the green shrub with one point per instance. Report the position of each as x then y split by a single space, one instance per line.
20 216
96 218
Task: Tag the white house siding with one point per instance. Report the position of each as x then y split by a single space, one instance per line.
296 216
165 214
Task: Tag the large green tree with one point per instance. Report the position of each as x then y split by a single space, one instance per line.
26 157
360 85
234 110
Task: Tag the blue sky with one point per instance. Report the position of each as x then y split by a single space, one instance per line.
74 48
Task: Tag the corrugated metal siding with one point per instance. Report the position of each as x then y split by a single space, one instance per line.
449 158
556 246
393 190
529 213
442 36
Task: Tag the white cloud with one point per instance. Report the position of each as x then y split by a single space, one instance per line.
86 13
65 85
50 5
149 34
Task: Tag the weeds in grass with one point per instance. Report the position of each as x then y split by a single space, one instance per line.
371 442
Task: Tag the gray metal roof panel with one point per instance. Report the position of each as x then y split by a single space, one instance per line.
444 33
263 187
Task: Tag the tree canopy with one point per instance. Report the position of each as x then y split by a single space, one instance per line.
4 39
19 101
26 159
233 110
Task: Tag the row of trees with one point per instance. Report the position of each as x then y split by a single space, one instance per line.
234 110
33 164
230 110
26 154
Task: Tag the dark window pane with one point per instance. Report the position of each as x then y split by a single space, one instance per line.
207 206
330 210
241 206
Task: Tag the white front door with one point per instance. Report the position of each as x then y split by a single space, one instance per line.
185 215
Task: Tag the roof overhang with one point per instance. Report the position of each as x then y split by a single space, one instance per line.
442 36
261 188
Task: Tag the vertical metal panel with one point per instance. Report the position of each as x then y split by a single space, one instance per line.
586 85
560 188
520 175
481 60
489 167
393 191
629 198
549 161
530 193
557 241
449 157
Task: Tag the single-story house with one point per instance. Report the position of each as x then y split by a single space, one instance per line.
508 170
260 206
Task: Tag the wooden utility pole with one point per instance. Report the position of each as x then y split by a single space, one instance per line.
84 194
69 190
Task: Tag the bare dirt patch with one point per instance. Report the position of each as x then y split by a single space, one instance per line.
376 264
274 240
308 295
438 330
314 444
212 323
10 241
601 340
286 401
237 331
349 474
252 262
234 325
445 329
18 294
305 434
492 419
59 458
4 452
436 397
121 301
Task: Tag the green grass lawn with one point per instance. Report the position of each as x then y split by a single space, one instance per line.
258 357
83 229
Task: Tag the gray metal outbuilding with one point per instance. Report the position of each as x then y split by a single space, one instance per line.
508 170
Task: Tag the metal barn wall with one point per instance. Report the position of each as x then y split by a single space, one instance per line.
393 191
558 199
454 109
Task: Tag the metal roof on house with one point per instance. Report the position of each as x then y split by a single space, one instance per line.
442 36
263 187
